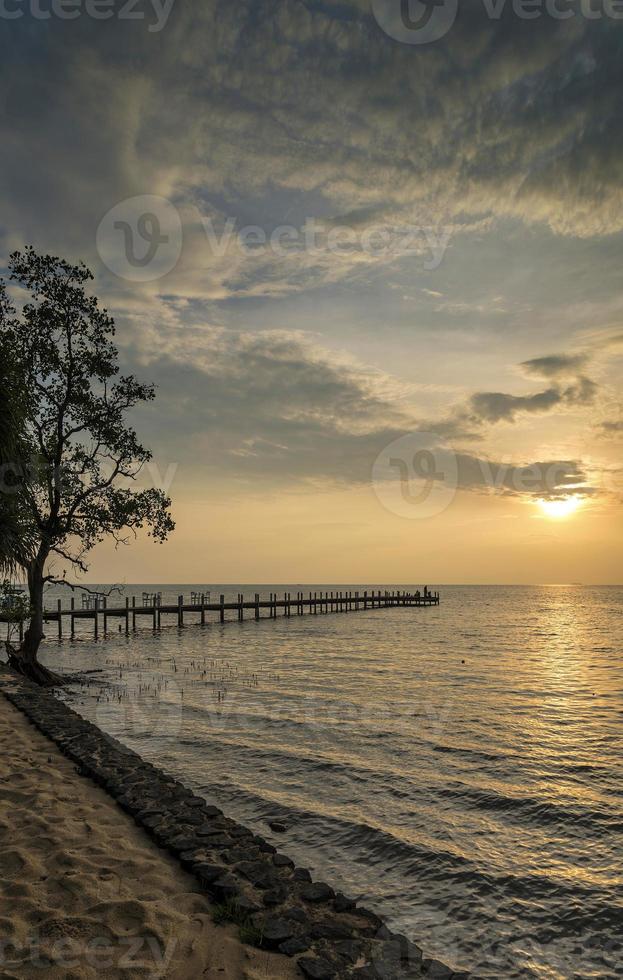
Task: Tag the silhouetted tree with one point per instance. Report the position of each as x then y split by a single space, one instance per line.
74 422
15 541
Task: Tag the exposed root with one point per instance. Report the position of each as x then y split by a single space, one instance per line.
32 669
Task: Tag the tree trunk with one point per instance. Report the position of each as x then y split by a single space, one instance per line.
24 660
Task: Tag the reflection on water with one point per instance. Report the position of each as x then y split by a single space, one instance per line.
458 767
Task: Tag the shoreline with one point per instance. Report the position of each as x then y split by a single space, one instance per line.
278 906
85 894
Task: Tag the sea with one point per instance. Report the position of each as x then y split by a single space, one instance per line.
459 769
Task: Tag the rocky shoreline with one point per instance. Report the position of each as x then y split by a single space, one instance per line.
279 905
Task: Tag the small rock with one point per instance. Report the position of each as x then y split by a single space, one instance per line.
349 950
294 946
208 873
318 891
275 931
277 827
437 970
301 874
331 930
366 972
247 906
343 904
316 968
259 873
274 896
282 861
225 887
297 915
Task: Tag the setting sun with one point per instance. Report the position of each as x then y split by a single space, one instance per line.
560 508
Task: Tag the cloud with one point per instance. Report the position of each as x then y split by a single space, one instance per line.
273 409
612 426
549 479
495 406
554 365
270 112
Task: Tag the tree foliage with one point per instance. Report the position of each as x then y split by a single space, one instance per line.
77 483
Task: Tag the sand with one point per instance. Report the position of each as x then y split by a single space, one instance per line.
85 893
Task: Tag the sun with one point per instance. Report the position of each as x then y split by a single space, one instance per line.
563 507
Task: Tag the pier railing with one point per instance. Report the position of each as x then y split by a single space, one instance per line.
275 605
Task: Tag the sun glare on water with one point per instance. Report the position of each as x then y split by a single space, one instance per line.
560 508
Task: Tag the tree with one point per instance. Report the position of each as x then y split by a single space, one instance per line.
15 541
14 608
76 487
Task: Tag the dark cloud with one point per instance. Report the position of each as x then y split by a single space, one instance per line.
549 479
272 110
270 409
555 365
611 426
497 406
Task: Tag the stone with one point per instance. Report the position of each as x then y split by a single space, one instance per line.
282 861
277 827
181 844
316 968
208 873
247 906
371 924
296 945
301 874
297 915
437 970
343 904
275 896
331 930
317 891
366 972
188 859
224 887
213 829
259 873
275 930
349 949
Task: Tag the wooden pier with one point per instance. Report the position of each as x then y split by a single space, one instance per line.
276 605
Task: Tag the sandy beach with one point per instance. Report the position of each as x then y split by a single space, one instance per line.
84 892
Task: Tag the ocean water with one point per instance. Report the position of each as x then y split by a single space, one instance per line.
459 768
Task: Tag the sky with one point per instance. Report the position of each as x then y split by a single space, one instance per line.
373 269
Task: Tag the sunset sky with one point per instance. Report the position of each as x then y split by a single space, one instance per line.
448 282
